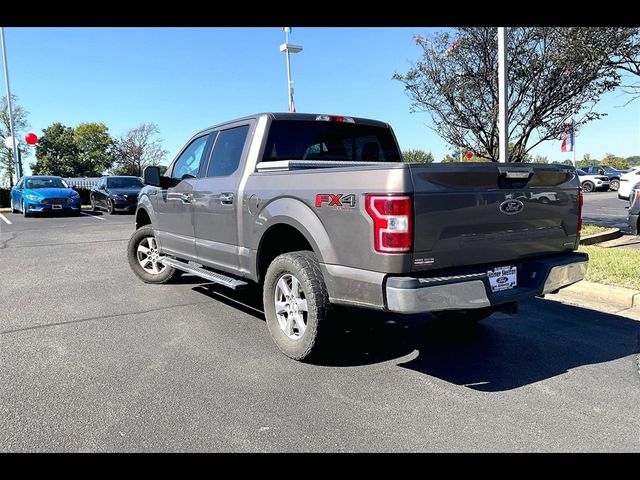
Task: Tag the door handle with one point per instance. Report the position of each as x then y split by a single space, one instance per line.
186 198
226 198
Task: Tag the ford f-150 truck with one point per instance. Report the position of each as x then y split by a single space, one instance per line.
321 210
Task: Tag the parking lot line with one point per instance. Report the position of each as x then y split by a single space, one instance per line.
5 219
92 216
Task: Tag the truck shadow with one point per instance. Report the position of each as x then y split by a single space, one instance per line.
503 352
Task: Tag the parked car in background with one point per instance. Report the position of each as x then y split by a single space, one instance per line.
40 193
116 194
613 174
634 210
590 183
628 181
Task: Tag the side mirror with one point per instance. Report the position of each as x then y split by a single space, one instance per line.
151 176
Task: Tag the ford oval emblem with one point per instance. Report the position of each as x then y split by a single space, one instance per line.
511 207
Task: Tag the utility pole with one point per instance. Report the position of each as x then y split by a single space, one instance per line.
11 130
503 120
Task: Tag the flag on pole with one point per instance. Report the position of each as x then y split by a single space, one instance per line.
567 139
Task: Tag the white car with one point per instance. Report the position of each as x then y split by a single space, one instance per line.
627 183
590 182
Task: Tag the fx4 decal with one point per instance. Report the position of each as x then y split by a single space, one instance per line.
336 200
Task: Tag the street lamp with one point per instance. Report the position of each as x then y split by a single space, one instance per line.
289 48
11 131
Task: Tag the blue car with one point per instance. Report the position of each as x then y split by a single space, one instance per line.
39 193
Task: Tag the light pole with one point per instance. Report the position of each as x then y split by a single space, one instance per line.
11 130
289 48
503 112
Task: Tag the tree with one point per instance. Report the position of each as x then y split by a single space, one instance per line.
618 163
94 146
563 162
633 160
540 159
20 125
553 72
449 159
138 148
56 152
417 156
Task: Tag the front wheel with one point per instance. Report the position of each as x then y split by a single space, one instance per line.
13 209
110 207
296 305
614 185
25 212
588 187
144 257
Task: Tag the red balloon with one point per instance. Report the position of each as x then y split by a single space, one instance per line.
31 138
469 155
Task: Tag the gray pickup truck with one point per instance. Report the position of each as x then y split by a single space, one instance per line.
321 210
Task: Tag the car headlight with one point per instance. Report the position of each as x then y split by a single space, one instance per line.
118 197
75 195
32 197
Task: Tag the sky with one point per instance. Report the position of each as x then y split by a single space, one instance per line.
187 79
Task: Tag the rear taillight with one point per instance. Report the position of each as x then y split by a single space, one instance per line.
580 203
334 118
392 217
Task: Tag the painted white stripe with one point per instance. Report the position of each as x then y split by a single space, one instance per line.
92 216
5 219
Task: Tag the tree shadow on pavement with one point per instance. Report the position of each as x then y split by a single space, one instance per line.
503 352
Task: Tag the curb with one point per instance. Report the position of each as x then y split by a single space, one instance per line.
585 292
610 234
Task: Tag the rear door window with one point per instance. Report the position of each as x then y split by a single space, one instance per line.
227 151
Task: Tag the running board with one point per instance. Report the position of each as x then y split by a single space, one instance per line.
230 282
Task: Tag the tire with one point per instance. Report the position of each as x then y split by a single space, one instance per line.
311 300
25 213
588 186
110 209
13 209
614 185
144 237
94 208
468 317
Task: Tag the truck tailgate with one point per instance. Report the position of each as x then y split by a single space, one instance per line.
483 213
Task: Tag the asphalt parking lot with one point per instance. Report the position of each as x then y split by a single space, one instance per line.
606 209
92 359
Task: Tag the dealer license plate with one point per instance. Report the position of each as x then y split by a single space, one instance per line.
503 278
56 207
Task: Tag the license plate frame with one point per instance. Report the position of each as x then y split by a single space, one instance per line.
56 207
503 278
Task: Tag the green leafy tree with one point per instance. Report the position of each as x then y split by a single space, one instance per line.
449 159
95 149
56 152
553 72
417 156
540 159
563 162
138 148
20 125
633 160
618 163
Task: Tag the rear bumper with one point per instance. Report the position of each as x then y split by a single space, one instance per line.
536 276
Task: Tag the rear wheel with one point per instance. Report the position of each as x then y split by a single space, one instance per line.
614 185
144 257
296 305
588 186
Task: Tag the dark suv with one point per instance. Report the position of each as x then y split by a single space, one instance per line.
609 171
116 194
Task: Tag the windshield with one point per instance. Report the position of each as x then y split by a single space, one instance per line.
609 169
46 182
124 183
320 140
